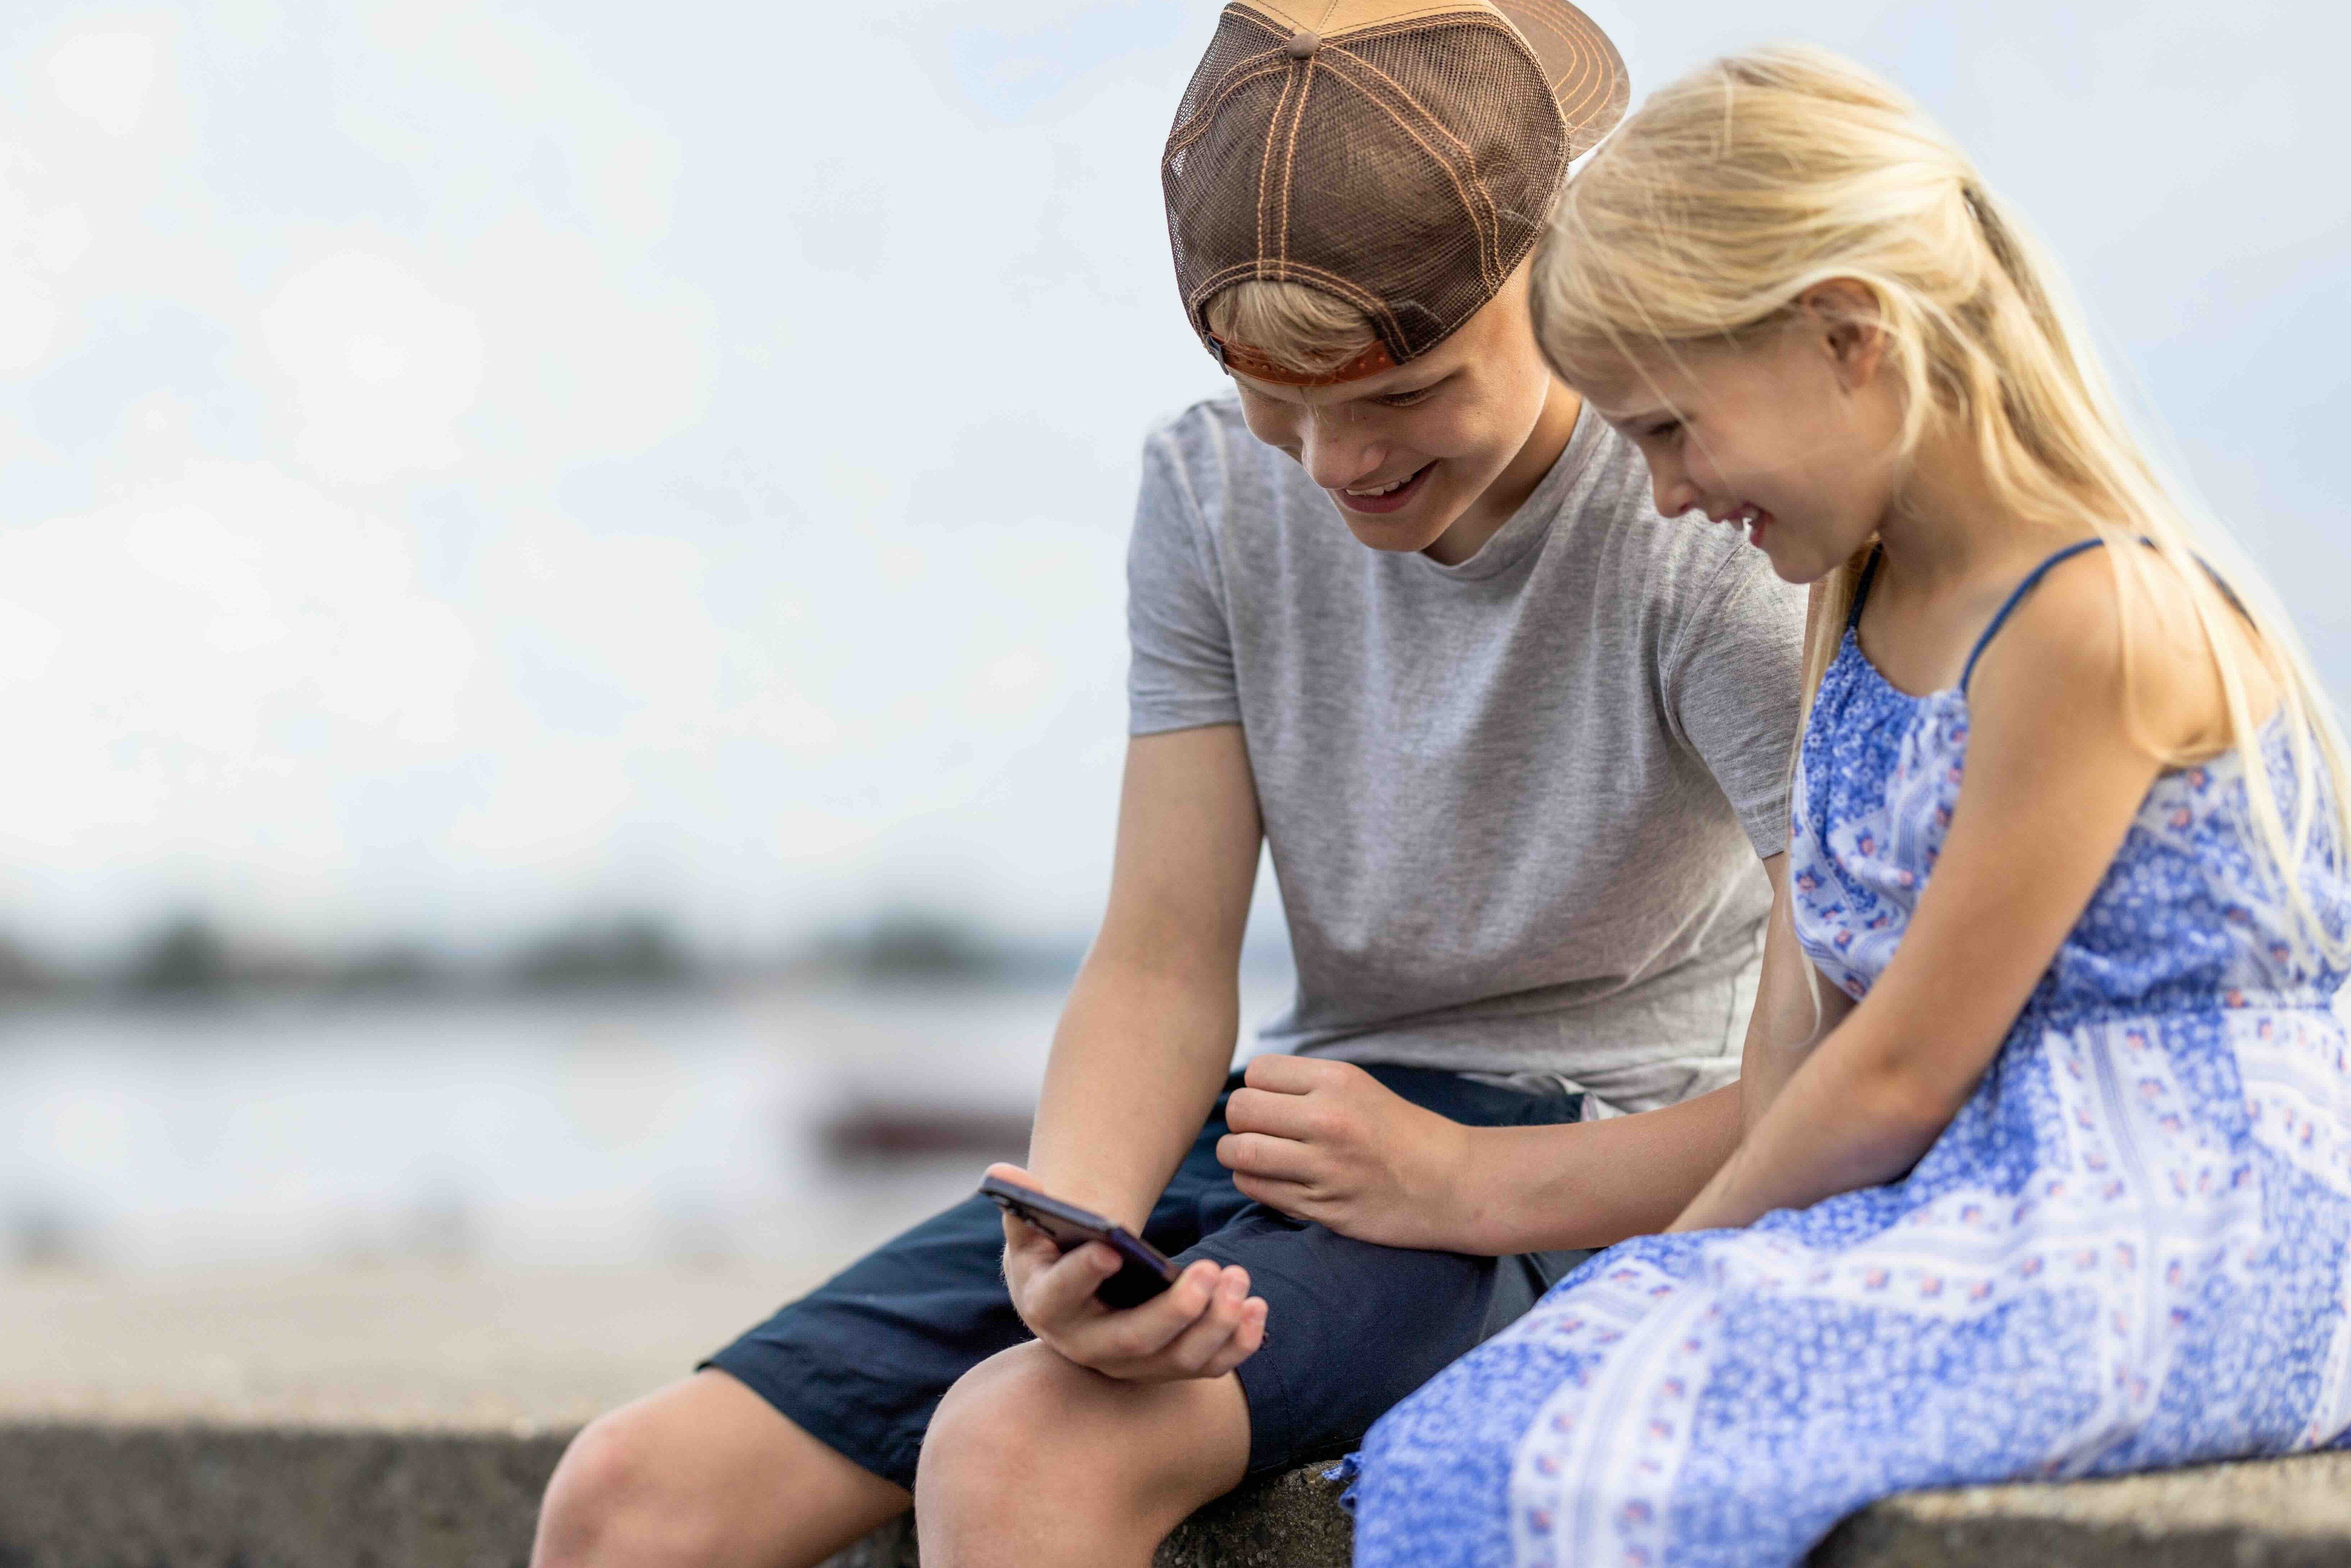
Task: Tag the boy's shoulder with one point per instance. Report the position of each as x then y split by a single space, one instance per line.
1213 419
1209 448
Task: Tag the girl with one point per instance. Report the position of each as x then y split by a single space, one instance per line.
2057 1181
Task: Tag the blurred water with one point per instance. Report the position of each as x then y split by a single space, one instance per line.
590 1130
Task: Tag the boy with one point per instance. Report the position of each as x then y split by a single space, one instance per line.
1516 761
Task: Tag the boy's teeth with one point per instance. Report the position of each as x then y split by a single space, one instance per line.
1386 490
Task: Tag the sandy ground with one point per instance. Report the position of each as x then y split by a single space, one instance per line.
398 1345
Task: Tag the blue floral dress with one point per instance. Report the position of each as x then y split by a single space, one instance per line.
2128 1250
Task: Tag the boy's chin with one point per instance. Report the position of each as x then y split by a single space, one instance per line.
1408 532
1399 538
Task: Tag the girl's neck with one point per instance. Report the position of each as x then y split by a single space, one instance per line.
1947 531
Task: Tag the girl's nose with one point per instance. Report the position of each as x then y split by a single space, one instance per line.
1675 493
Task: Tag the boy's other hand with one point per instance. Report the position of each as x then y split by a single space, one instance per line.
1202 1325
1327 1142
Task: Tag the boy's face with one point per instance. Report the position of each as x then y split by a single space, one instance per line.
1405 453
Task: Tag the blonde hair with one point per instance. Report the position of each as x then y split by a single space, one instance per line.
1304 329
1713 210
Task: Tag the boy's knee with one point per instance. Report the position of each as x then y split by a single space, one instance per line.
1007 1419
1027 1431
604 1506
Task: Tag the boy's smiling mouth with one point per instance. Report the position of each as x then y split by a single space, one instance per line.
1387 497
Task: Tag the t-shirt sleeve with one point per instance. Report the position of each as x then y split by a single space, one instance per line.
1733 682
1179 673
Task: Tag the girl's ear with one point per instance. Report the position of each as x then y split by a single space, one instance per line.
1845 315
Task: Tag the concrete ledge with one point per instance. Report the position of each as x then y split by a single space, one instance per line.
81 1495
209 1497
2262 1513
1290 1520
88 1495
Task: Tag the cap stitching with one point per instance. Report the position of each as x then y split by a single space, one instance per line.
1290 151
1490 243
1265 159
1239 72
1475 206
1236 77
1591 49
1264 10
1192 129
1182 139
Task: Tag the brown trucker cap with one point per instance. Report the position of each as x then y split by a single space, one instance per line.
1400 156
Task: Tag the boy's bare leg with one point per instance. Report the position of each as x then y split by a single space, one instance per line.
1033 1461
705 1474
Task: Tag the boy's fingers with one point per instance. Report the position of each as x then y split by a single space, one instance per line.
1290 1074
1250 1339
1141 1331
1247 1336
1200 1343
1264 1155
1035 1250
1269 1111
1295 1199
1060 1291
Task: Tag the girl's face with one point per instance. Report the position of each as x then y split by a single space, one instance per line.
1794 436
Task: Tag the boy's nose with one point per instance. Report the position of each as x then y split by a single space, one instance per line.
1334 461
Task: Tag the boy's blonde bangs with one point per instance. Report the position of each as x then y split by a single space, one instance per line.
1311 333
1735 191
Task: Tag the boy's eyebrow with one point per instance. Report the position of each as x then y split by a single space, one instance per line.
1420 387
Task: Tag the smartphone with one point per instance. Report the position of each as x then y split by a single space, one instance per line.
1143 1270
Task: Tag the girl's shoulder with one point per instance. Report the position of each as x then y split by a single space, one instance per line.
2134 629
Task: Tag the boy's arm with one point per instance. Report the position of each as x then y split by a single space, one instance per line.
1148 1032
1795 1008
1324 1141
1140 1056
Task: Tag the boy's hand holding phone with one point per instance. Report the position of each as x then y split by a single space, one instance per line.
1202 1325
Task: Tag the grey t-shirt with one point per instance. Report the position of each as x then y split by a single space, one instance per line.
1515 805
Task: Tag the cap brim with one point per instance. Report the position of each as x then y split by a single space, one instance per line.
1587 75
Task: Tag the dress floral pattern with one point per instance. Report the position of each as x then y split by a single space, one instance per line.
2128 1250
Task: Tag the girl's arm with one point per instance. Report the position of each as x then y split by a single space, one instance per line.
2054 776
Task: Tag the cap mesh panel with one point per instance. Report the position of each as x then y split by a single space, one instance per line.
1404 167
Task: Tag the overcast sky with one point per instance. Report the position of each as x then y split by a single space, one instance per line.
465 464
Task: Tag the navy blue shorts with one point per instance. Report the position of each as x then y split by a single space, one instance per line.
862 1362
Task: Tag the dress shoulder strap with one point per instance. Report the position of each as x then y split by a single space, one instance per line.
2032 580
1861 589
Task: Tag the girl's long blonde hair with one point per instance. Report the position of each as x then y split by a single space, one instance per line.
1736 190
